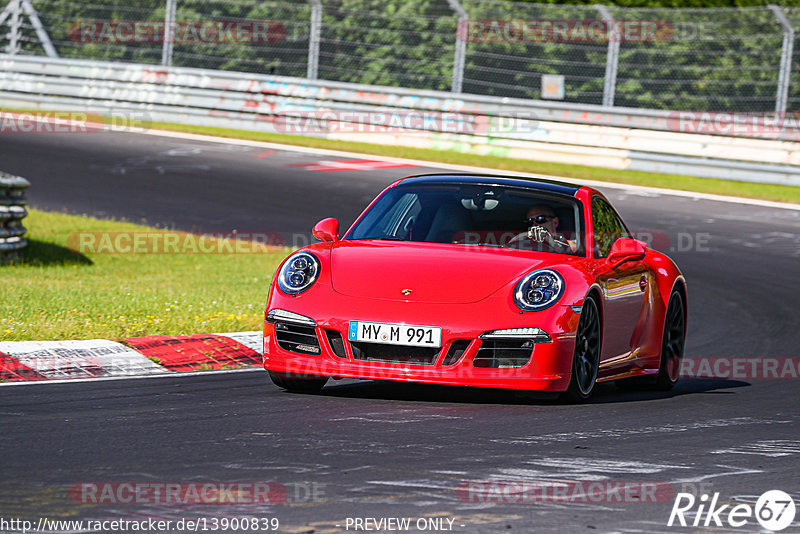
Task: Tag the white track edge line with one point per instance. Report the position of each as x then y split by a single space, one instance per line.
468 168
172 374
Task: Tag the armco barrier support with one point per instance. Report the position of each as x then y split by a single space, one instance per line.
617 138
12 211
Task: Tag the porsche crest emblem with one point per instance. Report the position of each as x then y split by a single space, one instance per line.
406 292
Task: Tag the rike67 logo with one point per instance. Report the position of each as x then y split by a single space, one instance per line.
774 510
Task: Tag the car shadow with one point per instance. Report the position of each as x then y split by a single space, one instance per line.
611 393
606 393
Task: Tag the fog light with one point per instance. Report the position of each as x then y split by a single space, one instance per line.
537 335
289 317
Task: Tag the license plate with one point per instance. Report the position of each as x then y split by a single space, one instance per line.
395 334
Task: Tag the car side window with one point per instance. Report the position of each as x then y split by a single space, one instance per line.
607 227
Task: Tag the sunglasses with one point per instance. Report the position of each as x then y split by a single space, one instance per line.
540 219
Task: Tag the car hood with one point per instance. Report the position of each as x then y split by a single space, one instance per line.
433 272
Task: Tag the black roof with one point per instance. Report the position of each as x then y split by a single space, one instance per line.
550 186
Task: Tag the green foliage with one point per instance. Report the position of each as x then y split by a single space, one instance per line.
705 59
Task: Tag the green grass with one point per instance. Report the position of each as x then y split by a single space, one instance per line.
778 193
55 293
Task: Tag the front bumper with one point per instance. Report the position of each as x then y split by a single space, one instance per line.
547 369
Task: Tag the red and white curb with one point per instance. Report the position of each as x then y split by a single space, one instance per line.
136 356
352 165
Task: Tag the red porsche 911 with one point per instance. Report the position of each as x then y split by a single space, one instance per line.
478 280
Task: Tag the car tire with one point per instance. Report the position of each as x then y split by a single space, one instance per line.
298 383
672 343
586 356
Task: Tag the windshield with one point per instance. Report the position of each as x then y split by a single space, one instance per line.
478 215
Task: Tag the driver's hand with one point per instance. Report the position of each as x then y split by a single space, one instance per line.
538 234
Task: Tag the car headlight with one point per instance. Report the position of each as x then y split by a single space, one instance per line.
298 273
538 290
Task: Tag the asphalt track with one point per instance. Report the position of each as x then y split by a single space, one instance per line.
379 450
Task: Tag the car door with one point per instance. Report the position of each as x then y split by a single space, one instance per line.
624 287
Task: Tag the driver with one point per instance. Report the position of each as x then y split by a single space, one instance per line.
542 216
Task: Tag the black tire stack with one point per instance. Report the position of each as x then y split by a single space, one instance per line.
12 211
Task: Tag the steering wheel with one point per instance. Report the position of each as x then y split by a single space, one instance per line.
558 242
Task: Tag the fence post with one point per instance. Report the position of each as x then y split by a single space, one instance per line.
38 27
461 46
785 74
169 33
14 11
313 39
612 57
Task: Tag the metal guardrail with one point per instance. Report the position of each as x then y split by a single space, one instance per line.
573 133
308 94
711 59
12 211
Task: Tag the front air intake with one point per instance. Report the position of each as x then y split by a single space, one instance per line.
336 341
297 338
455 352
497 354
